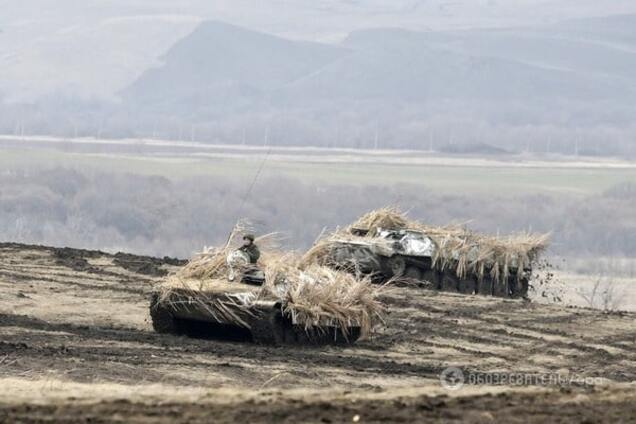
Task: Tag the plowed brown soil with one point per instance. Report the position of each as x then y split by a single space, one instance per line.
76 345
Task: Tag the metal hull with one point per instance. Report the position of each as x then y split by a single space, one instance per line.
224 316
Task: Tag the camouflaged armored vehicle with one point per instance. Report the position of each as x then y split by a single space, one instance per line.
409 254
234 311
441 258
219 295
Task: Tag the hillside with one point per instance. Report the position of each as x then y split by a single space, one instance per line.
228 64
554 85
569 87
548 63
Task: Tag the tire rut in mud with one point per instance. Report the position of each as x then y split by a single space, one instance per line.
506 407
40 346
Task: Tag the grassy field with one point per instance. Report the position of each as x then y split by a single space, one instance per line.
455 175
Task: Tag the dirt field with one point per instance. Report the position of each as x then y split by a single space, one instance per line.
76 346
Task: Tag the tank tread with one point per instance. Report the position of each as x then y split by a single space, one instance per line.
266 325
330 336
163 321
279 330
447 281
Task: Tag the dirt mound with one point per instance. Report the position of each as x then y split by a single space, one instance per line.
145 264
78 259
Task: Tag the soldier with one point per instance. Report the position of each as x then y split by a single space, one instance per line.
243 260
250 248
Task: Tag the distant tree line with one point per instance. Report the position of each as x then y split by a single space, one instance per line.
160 216
348 125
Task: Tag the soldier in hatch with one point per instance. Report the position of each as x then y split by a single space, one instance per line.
250 248
244 258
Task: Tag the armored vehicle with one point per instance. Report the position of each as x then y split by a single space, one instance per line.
411 254
235 311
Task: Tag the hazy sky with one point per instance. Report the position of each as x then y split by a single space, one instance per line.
84 47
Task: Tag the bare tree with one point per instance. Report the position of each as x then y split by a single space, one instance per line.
603 295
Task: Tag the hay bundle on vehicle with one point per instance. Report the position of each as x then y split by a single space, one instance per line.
318 295
321 252
480 255
387 217
392 218
322 302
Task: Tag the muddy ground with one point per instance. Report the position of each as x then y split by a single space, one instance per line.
76 345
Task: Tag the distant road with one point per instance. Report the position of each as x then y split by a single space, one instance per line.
154 147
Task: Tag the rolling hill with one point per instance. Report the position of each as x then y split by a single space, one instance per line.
223 67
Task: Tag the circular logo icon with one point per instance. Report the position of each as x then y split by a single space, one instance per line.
452 378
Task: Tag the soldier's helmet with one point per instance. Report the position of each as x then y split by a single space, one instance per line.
249 237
